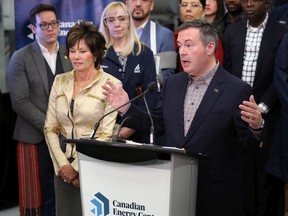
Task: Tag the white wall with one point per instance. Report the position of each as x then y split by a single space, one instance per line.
8 13
7 23
3 79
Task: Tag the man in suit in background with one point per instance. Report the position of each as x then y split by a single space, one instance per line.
278 157
206 110
250 47
234 12
30 76
157 37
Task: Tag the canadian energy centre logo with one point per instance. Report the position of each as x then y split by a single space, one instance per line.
101 204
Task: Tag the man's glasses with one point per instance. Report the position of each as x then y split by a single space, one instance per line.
53 24
191 4
120 18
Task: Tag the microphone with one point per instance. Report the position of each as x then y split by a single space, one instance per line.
151 87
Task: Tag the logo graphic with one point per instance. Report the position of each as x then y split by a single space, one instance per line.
101 204
137 69
31 35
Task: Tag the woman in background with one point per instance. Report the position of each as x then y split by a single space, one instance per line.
127 59
214 13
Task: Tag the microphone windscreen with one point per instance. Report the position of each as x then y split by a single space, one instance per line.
152 87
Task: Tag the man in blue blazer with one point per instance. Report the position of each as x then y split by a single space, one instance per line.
204 110
250 48
140 11
157 37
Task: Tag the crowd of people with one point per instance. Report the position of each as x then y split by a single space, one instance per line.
227 98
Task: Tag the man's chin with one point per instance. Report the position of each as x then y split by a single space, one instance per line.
138 18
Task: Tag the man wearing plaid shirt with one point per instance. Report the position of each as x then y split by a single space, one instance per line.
249 53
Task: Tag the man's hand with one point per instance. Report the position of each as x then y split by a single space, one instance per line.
115 95
251 113
125 132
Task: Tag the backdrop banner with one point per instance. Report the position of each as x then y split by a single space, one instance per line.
69 13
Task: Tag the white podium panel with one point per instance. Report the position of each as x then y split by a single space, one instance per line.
152 188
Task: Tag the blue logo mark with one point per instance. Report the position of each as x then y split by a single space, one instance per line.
101 204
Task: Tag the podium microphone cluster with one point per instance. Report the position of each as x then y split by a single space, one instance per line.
151 88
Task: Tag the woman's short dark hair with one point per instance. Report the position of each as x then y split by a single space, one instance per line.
92 37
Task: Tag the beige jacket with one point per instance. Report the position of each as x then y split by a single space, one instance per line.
89 107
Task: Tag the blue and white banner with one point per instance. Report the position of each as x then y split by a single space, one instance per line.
69 12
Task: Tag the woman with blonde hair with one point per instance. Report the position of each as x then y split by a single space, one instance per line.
127 58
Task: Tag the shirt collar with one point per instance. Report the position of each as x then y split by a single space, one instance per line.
206 77
44 49
143 25
262 25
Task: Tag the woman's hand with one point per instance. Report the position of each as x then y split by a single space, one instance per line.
67 173
76 182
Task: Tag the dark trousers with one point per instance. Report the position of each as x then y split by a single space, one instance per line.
68 198
46 174
263 193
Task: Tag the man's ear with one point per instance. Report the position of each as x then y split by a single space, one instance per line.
211 48
152 6
33 28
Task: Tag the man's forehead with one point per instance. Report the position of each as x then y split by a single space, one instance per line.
187 34
188 31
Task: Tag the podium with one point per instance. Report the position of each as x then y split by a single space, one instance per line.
136 179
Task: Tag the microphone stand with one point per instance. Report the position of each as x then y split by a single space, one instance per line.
98 122
116 137
152 135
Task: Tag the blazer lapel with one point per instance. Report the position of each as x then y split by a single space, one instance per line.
64 59
240 41
40 62
210 98
265 43
68 91
179 104
145 37
132 66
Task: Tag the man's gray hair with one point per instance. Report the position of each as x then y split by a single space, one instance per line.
207 32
